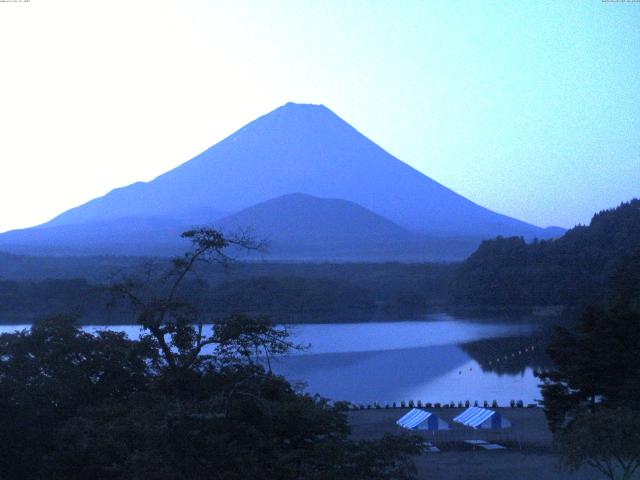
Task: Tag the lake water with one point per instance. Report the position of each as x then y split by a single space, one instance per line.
439 359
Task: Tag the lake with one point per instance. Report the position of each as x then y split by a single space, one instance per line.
439 359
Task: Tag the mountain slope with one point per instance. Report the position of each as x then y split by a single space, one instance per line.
308 149
303 218
121 236
300 226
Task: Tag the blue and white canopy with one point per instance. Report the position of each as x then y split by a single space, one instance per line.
418 419
477 417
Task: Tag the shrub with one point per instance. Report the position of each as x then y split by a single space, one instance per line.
607 439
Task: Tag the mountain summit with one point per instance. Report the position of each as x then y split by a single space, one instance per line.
298 148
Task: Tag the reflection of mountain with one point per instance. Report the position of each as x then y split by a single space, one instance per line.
382 376
509 355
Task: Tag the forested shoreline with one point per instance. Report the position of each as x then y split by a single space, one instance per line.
287 293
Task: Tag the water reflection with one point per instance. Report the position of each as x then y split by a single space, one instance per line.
510 355
432 374
438 361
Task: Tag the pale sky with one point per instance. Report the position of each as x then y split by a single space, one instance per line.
531 109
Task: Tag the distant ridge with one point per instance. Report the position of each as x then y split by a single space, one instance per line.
303 227
138 236
295 148
304 218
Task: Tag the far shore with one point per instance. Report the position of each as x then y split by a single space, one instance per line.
499 314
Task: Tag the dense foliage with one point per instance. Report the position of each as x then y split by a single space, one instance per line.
597 362
607 440
284 292
592 396
29 301
571 270
75 405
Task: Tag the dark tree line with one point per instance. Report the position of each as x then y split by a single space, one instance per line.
571 270
286 293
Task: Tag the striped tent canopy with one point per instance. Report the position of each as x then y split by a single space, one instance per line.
477 417
418 419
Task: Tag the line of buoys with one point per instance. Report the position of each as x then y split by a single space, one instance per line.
508 356
421 404
513 354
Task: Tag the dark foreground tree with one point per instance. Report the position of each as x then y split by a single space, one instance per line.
592 397
180 403
607 440
166 302
597 359
50 374
597 363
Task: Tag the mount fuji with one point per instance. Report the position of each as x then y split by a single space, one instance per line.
369 200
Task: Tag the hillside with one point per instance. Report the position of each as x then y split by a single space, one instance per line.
299 226
137 236
572 270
